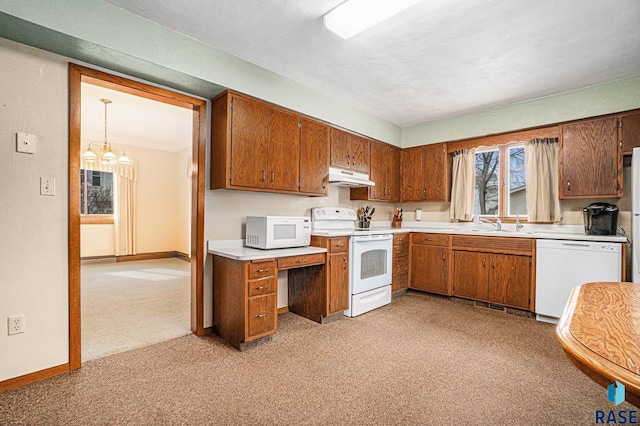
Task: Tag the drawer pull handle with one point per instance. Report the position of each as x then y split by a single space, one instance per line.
263 287
260 271
301 261
264 315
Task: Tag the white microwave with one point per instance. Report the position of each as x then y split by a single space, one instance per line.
272 232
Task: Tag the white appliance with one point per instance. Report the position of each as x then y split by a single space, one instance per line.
370 272
370 254
272 232
342 177
564 264
635 207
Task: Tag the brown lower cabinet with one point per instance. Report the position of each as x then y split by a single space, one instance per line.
430 263
400 262
338 276
493 269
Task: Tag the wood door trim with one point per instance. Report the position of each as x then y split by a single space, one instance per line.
77 75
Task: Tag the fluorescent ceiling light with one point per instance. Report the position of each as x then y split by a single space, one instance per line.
355 16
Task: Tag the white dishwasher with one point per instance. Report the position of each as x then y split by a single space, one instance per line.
564 264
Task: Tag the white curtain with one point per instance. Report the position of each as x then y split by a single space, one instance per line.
463 182
541 168
124 217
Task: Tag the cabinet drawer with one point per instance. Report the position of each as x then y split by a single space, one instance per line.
400 265
262 269
263 315
299 261
339 245
430 239
263 286
400 281
400 251
400 239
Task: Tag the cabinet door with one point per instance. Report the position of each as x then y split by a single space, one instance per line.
591 161
411 174
283 155
378 171
435 171
314 157
630 132
430 269
360 159
471 274
339 283
340 149
393 174
509 282
249 135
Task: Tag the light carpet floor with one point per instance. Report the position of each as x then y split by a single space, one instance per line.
421 360
129 305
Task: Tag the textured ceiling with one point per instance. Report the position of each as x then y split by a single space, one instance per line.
438 59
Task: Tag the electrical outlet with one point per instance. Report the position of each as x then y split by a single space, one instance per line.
16 324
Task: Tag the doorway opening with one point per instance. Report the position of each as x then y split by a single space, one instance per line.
193 174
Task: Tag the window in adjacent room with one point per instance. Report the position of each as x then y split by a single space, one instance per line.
500 189
96 196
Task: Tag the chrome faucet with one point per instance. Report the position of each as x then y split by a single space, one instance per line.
519 226
497 223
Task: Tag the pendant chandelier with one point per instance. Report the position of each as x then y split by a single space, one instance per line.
106 154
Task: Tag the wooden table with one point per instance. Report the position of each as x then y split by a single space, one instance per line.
600 333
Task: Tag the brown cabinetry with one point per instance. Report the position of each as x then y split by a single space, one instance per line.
400 262
260 147
337 289
430 263
493 269
385 172
314 157
350 151
630 132
245 299
424 173
591 160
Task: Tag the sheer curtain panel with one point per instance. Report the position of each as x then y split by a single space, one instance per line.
541 168
463 181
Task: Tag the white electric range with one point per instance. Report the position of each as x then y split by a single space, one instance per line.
370 254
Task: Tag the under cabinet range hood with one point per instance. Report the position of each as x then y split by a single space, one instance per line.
342 177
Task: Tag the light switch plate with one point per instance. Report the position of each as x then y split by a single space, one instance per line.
26 143
47 186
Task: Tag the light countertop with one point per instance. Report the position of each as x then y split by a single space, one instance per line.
233 249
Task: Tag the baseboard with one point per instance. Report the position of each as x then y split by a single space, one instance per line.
283 310
33 377
134 257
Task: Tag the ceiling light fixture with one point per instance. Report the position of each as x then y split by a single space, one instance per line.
107 156
355 16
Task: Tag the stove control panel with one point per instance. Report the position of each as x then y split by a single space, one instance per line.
333 213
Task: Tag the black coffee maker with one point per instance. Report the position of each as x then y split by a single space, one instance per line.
600 219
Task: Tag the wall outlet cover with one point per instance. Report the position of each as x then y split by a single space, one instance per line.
26 143
15 324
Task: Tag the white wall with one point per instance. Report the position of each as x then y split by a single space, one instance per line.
33 246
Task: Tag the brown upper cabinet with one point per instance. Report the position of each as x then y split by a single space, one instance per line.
630 132
591 159
349 151
385 173
260 147
425 174
314 157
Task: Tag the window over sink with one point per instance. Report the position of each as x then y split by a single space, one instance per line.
500 188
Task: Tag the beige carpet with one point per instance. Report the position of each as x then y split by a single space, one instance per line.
129 305
420 361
